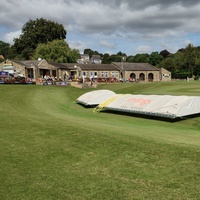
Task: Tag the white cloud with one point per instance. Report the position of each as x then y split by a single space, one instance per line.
107 44
144 49
77 45
11 35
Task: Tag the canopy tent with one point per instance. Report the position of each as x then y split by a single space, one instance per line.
155 105
95 97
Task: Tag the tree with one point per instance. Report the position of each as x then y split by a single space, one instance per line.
197 62
155 58
179 61
90 52
164 53
105 58
8 52
130 59
141 58
190 56
168 64
4 49
114 58
39 31
121 54
12 54
57 51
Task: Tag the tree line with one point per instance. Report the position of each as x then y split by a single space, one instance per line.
45 39
182 64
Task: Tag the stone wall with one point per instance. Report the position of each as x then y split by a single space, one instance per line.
165 75
19 69
146 76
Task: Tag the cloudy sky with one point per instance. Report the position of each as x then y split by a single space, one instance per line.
110 26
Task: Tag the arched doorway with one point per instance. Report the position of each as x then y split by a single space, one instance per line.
141 77
132 77
150 77
122 76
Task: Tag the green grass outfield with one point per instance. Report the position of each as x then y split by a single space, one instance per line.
53 148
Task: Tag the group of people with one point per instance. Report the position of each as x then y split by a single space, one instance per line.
51 78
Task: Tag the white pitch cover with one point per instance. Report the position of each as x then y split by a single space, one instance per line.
155 105
94 97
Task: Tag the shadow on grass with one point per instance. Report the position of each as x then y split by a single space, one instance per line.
86 106
172 120
153 117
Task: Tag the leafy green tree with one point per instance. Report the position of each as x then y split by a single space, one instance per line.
174 63
197 62
197 70
142 58
179 63
90 52
190 56
57 51
4 49
121 54
168 63
184 63
8 52
130 59
155 58
139 58
164 53
114 58
14 55
105 58
39 31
